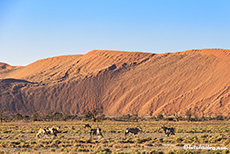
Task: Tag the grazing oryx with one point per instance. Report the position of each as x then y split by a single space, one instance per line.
54 130
87 125
168 131
96 132
47 131
42 132
133 130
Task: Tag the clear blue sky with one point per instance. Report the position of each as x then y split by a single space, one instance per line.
36 29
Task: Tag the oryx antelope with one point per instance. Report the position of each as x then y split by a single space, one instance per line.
54 130
96 132
42 132
134 131
168 131
47 131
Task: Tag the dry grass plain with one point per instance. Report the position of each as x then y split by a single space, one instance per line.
19 137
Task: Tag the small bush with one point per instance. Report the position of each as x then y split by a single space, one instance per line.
52 150
157 144
160 117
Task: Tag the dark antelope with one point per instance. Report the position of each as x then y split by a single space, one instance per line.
133 130
96 132
168 131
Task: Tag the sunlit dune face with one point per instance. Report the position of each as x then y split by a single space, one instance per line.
123 83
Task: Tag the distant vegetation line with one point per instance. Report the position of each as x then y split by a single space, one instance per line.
126 118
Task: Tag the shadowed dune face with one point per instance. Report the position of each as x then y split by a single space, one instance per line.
5 66
122 82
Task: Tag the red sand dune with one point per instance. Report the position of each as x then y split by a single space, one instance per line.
122 82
